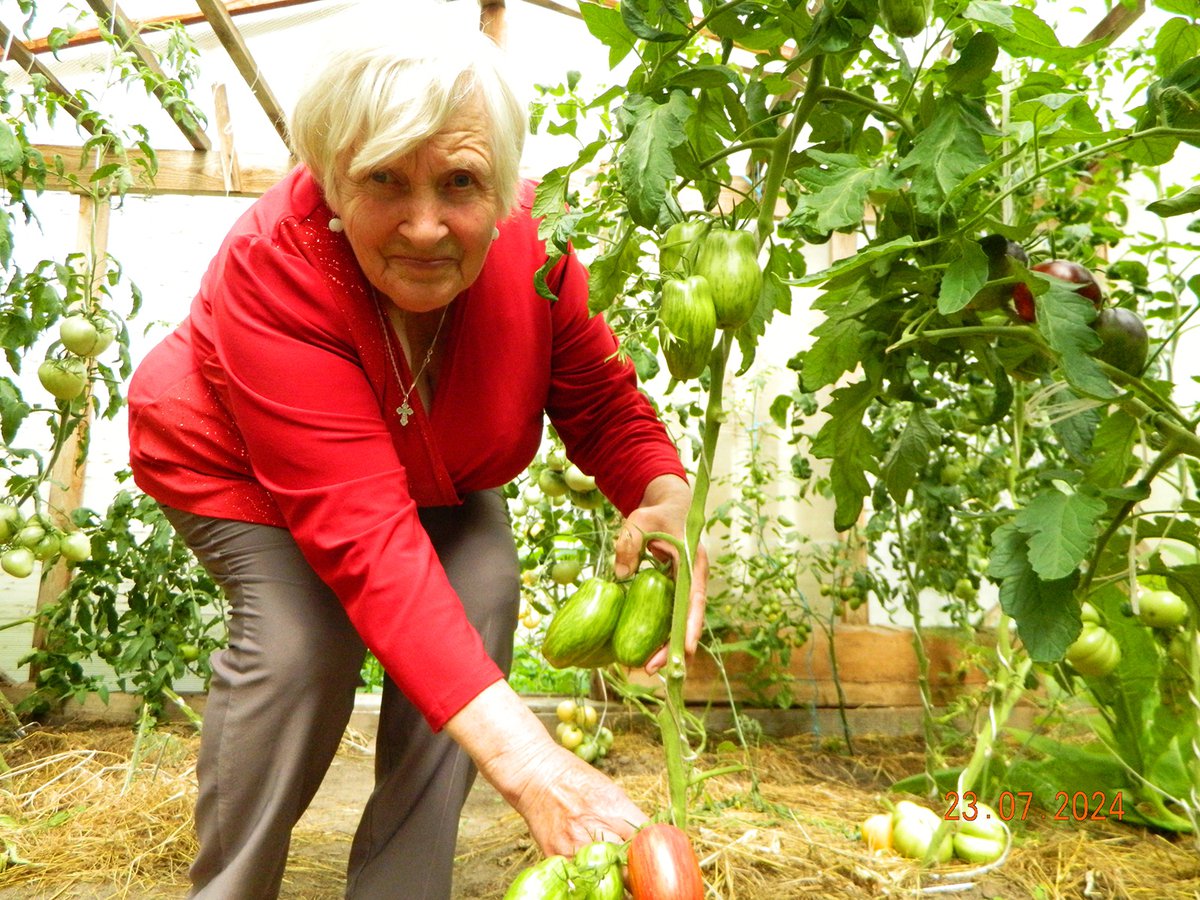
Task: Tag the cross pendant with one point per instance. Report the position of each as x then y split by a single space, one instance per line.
404 411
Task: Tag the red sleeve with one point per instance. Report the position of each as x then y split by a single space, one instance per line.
609 427
317 441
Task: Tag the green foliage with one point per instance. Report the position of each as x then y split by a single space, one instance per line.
140 604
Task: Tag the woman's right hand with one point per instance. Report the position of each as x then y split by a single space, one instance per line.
568 803
565 801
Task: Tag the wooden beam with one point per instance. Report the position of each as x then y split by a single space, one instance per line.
229 160
21 55
231 39
1116 22
185 172
190 17
124 30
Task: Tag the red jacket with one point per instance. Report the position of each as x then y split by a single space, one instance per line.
273 403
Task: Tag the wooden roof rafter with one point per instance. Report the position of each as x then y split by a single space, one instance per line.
128 34
231 39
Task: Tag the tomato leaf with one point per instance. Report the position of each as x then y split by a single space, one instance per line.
1064 319
965 277
1022 33
947 151
645 165
909 456
1062 529
13 410
636 20
608 27
1178 205
849 444
839 185
1112 450
976 61
1046 612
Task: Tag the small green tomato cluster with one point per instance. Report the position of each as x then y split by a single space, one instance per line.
561 481
28 541
581 731
593 874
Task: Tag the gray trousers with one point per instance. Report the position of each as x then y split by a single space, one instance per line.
282 694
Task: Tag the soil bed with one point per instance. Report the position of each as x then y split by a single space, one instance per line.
75 824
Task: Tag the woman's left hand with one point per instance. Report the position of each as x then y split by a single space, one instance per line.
664 508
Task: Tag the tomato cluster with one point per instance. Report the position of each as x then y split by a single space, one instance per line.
910 828
661 862
711 280
1124 341
35 539
581 730
561 480
82 337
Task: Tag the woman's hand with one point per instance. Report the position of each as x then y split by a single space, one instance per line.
565 801
568 803
664 508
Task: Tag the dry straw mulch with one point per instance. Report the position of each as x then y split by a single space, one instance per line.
77 820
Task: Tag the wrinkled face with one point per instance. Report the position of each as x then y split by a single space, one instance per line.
421 227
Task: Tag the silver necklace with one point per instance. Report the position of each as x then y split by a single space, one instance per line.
404 410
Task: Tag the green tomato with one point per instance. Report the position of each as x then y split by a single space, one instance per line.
189 652
678 248
65 379
728 261
913 827
552 483
30 536
587 499
548 880
985 824
978 850
10 522
46 547
578 480
75 547
687 315
571 737
1095 652
952 473
587 750
565 571
586 717
17 562
566 711
1162 609
85 337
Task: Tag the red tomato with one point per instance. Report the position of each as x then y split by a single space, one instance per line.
663 865
1064 270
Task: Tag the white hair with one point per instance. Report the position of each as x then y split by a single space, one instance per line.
372 105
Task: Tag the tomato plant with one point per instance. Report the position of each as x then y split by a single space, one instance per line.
953 154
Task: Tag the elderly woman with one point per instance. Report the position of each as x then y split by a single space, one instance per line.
365 363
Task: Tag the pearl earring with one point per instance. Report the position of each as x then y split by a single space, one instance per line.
495 233
335 224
